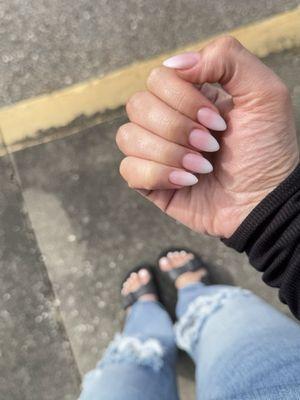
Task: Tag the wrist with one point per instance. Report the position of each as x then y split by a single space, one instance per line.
251 210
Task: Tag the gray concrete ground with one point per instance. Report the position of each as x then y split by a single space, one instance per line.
36 360
68 235
48 44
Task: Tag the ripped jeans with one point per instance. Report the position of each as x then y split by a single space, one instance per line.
242 348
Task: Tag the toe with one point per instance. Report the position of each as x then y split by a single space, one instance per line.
125 287
134 282
180 258
186 257
144 276
172 256
164 264
177 258
131 284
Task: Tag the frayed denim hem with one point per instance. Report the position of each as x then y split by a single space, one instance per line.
148 353
188 328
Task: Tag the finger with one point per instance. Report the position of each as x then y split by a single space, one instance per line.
180 95
221 99
226 61
138 142
149 175
146 110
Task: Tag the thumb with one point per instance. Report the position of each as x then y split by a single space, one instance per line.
227 62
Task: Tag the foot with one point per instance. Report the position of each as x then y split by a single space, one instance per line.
135 281
177 259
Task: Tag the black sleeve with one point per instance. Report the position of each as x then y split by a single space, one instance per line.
270 236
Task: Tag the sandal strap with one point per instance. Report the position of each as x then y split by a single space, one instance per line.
131 298
192 265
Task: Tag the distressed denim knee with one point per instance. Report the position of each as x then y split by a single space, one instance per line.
188 328
148 352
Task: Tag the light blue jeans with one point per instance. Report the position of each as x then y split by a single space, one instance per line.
242 348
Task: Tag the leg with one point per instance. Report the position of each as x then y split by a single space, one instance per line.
140 363
243 348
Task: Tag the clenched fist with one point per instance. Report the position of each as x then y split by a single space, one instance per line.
207 155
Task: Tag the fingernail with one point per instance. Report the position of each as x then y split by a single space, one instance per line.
203 140
182 178
211 119
182 61
197 163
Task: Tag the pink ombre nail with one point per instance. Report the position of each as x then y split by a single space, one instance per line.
182 178
203 140
182 61
211 119
197 163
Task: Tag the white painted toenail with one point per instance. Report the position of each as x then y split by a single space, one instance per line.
164 261
144 273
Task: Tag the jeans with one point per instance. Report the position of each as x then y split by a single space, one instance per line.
242 348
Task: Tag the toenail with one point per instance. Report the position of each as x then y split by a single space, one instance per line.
143 273
164 261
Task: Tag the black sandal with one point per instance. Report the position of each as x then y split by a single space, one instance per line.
150 288
168 278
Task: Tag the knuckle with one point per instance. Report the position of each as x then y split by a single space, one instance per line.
122 136
160 82
227 42
136 101
154 77
123 168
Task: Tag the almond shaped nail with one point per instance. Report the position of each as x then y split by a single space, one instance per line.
197 163
203 140
182 61
211 119
182 178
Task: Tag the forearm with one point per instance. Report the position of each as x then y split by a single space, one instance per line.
270 236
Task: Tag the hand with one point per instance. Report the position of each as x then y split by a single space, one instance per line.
258 145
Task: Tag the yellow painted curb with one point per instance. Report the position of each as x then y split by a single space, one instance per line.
29 117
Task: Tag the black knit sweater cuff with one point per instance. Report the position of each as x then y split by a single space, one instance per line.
260 217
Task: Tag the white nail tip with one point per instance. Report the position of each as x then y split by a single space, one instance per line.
164 261
206 166
211 145
182 178
181 61
211 119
